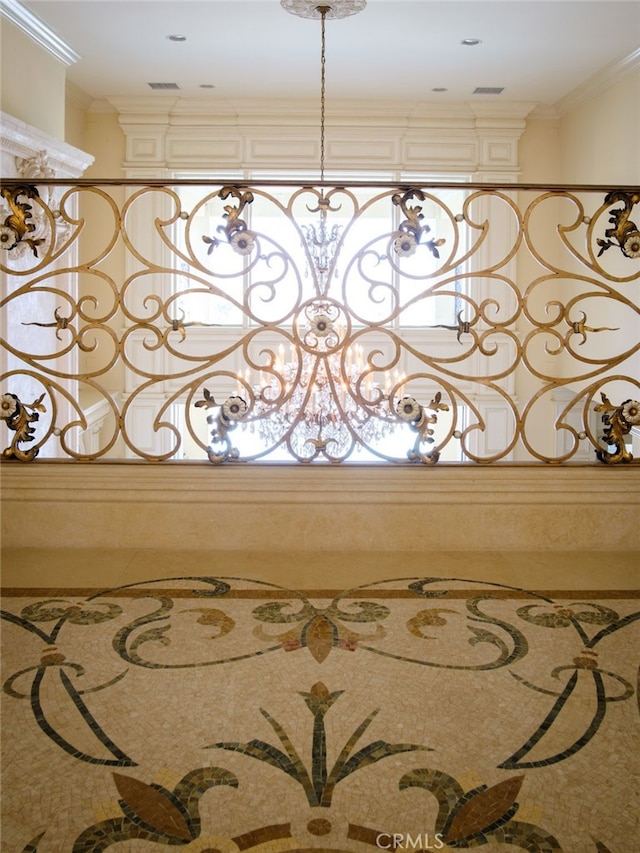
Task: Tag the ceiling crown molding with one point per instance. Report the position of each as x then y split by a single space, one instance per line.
36 29
600 82
397 113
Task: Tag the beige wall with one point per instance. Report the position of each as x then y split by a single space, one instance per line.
538 152
105 140
596 142
75 118
94 127
33 82
600 139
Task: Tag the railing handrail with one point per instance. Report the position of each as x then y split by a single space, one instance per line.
302 184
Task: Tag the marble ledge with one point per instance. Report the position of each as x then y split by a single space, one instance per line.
344 509
444 483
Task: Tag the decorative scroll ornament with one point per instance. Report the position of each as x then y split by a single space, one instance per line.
421 421
411 229
618 421
16 226
579 327
625 233
60 323
37 169
19 417
236 231
232 410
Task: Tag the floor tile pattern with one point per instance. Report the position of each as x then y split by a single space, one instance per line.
219 714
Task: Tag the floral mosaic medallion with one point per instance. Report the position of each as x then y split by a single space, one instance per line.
220 715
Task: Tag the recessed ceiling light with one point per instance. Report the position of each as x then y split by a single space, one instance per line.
471 42
177 38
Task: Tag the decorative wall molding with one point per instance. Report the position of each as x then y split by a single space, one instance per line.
197 147
395 136
21 140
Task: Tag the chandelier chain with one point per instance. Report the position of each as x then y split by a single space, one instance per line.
323 63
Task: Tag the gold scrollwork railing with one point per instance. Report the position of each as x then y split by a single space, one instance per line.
200 320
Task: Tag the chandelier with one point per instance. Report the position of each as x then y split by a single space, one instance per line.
323 400
318 401
326 399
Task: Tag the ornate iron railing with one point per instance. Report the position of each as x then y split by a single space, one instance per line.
454 321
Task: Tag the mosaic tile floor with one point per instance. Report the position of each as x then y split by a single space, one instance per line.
221 715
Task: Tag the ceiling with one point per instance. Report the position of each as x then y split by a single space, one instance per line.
538 51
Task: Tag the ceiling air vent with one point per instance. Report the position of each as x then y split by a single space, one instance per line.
163 85
488 90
